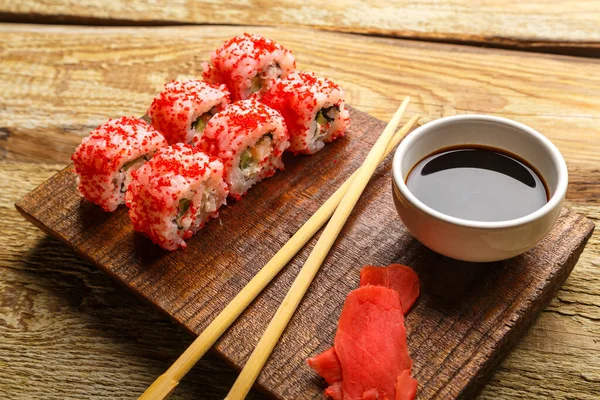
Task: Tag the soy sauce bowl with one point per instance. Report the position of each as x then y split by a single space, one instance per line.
468 240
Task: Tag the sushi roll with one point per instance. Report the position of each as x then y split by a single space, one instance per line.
250 139
182 109
313 109
106 158
249 65
173 195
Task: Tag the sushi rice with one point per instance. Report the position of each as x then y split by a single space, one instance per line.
183 108
173 195
106 158
250 139
313 109
176 167
249 65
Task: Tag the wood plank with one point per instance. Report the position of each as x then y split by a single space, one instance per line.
57 85
563 25
58 312
67 331
467 319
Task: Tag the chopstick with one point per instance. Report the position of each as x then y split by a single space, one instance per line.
167 382
288 306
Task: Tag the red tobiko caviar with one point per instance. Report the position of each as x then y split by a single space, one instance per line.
313 109
250 139
106 158
182 109
173 195
249 65
217 148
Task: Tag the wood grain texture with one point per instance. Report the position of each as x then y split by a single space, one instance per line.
57 83
76 316
551 25
67 331
468 316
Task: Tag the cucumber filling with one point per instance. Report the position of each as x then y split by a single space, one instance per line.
208 204
257 83
245 159
182 209
324 117
124 178
252 157
200 123
184 206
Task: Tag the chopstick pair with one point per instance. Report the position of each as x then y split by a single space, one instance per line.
167 382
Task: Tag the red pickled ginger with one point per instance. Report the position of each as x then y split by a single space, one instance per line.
369 359
395 276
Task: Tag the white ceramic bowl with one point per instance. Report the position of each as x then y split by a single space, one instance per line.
474 240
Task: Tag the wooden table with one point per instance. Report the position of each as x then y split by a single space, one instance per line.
68 331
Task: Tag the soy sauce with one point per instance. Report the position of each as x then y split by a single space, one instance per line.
478 183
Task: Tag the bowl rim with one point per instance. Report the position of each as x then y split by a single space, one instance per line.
556 157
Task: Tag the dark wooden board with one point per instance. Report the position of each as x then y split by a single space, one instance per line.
468 317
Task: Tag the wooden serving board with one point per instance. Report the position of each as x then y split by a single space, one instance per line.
466 320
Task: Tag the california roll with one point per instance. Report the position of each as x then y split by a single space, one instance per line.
249 65
313 109
173 195
250 139
106 158
183 108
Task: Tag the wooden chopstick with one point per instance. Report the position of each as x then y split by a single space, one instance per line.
167 382
267 342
